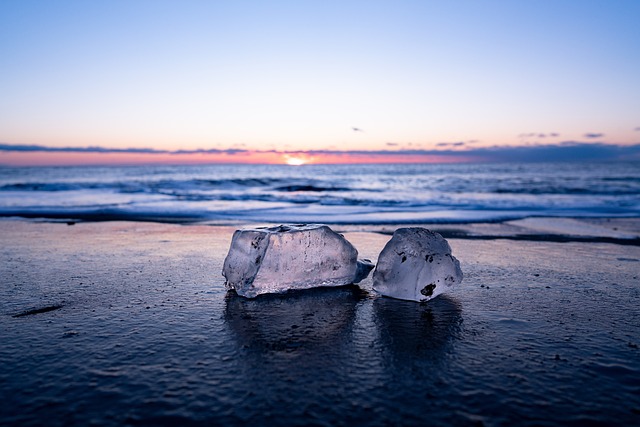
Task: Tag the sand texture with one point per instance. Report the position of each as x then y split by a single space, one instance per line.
121 323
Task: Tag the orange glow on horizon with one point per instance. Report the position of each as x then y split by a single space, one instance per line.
298 159
40 158
45 158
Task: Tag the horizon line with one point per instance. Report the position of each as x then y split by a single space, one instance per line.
40 155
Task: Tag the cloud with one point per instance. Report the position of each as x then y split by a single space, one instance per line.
392 144
90 149
450 144
637 129
94 149
230 151
567 151
539 135
593 135
564 151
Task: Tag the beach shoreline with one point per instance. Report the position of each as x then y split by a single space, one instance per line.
388 194
617 230
130 323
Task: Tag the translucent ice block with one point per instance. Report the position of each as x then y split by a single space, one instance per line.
276 259
416 264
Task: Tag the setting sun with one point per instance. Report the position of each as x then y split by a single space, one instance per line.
295 161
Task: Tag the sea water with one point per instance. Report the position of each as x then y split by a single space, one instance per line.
333 194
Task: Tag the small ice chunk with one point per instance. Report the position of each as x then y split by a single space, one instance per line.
276 259
417 265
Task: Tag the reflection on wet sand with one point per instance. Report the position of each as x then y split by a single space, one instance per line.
298 321
316 355
409 330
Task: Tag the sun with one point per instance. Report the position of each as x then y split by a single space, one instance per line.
295 161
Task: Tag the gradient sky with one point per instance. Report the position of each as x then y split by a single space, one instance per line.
300 75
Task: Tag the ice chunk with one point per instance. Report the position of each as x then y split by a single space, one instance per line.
272 260
416 264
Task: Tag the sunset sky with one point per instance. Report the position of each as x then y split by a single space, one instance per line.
196 81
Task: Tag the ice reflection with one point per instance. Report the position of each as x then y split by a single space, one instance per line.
344 323
313 356
293 322
417 331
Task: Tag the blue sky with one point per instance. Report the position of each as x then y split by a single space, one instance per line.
299 75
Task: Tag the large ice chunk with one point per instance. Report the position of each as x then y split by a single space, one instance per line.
416 264
272 260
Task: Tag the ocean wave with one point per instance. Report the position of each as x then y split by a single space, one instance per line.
310 188
141 185
566 191
329 193
302 214
213 188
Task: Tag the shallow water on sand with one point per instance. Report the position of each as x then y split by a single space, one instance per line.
537 334
336 194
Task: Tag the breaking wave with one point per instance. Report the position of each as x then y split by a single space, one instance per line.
322 193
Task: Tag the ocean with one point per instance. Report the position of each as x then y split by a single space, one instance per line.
130 324
332 194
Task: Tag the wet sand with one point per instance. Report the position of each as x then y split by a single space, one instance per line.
129 324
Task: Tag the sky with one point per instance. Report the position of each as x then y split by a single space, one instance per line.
316 81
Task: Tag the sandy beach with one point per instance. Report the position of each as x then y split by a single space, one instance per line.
137 137
129 323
